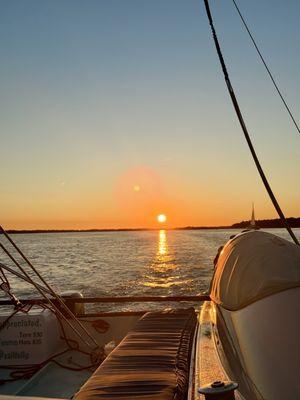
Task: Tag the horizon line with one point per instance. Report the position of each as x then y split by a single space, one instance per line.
236 225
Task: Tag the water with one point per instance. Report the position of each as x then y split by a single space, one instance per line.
123 263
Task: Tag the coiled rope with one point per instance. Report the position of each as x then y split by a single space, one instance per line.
244 127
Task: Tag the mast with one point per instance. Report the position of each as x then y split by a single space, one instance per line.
253 224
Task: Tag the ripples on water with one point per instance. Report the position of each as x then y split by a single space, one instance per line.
123 263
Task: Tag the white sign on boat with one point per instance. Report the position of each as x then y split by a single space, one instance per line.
29 338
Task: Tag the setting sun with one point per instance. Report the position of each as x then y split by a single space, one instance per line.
161 218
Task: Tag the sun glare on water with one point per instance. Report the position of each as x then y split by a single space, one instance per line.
161 218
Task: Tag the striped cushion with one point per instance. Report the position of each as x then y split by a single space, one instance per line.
152 361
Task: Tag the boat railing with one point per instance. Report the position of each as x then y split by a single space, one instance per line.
117 299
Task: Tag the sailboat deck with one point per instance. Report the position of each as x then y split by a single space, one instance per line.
153 359
52 380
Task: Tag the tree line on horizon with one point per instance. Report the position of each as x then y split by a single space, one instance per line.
269 223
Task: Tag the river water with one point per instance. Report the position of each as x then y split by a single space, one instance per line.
165 262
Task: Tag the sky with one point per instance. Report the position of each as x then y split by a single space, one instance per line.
115 111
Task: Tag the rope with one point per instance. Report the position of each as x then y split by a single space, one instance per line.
244 128
24 308
266 67
27 371
42 292
53 293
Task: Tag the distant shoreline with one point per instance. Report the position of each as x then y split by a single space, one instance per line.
13 231
264 223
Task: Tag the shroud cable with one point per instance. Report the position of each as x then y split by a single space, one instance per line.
244 127
266 66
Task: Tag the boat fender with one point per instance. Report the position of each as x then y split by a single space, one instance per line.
219 390
76 308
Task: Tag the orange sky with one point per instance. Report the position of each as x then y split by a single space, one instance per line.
114 112
134 200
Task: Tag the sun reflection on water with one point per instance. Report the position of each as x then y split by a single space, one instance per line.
161 272
162 244
164 261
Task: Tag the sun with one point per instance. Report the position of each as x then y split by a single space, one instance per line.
161 218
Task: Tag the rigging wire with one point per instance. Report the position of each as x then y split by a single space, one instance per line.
42 292
266 66
26 371
3 277
53 293
244 127
23 277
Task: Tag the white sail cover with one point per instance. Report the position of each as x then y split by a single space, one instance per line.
254 265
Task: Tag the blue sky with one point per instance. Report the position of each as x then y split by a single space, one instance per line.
93 89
